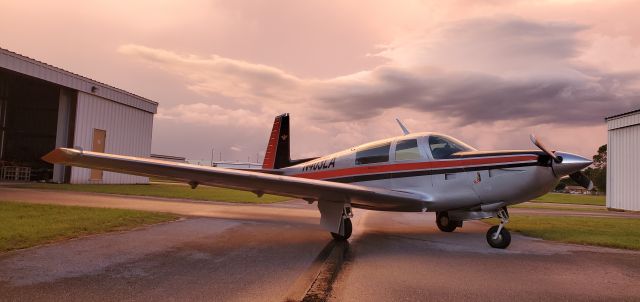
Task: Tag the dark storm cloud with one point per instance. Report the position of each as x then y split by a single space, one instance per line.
484 98
473 71
490 70
514 37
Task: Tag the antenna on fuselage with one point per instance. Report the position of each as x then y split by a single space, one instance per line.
404 129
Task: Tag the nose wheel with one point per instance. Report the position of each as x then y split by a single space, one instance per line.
498 236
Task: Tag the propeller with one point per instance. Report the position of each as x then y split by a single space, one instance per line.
572 163
582 180
539 144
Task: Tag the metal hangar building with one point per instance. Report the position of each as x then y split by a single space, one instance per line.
43 107
623 161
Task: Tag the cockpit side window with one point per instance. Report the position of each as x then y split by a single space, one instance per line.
375 154
407 150
442 148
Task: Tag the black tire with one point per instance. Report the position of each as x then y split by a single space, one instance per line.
503 240
445 224
347 231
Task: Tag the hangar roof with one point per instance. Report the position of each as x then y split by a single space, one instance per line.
623 120
622 114
34 68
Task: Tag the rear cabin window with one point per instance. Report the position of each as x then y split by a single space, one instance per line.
442 148
371 155
407 150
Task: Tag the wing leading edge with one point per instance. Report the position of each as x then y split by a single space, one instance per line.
259 183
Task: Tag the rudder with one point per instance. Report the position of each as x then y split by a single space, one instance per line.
278 154
278 149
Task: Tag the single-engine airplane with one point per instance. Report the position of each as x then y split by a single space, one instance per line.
415 172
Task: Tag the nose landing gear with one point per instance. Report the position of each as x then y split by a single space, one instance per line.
498 236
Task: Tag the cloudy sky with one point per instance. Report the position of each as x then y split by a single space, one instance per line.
488 72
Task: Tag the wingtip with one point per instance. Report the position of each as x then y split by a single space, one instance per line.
60 155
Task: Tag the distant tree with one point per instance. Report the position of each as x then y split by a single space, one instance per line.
561 185
598 173
600 159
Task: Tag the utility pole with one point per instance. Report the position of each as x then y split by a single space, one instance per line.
212 156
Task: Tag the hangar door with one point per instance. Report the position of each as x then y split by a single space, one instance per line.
28 122
99 137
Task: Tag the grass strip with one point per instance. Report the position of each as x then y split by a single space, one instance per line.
168 190
596 200
25 225
557 208
621 233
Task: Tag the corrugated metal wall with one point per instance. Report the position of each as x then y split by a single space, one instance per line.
623 121
128 132
623 163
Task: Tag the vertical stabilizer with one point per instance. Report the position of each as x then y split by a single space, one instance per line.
277 155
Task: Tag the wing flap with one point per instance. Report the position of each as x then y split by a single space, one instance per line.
259 183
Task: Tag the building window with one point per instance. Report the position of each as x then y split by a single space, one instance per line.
407 150
375 154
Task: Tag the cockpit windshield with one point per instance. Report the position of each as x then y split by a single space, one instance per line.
442 147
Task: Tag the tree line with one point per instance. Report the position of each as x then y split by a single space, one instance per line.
597 172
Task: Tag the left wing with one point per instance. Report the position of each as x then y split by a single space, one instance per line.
259 183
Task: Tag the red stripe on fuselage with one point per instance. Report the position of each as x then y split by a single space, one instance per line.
438 164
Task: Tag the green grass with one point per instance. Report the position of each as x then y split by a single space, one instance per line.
596 200
609 232
168 190
25 225
557 208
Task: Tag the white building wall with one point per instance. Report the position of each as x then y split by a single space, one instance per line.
623 162
128 132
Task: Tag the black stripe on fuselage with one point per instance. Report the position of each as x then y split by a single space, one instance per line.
468 154
543 159
391 175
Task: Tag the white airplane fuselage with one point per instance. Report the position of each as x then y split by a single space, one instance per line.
487 180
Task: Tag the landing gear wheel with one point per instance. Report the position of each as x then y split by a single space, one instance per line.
347 231
445 224
502 240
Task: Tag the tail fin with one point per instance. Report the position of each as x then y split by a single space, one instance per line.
278 154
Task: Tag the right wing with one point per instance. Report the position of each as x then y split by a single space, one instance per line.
259 183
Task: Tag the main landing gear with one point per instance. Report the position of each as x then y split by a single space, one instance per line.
446 224
498 236
345 225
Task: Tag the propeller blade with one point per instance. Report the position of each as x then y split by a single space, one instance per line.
582 180
539 144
